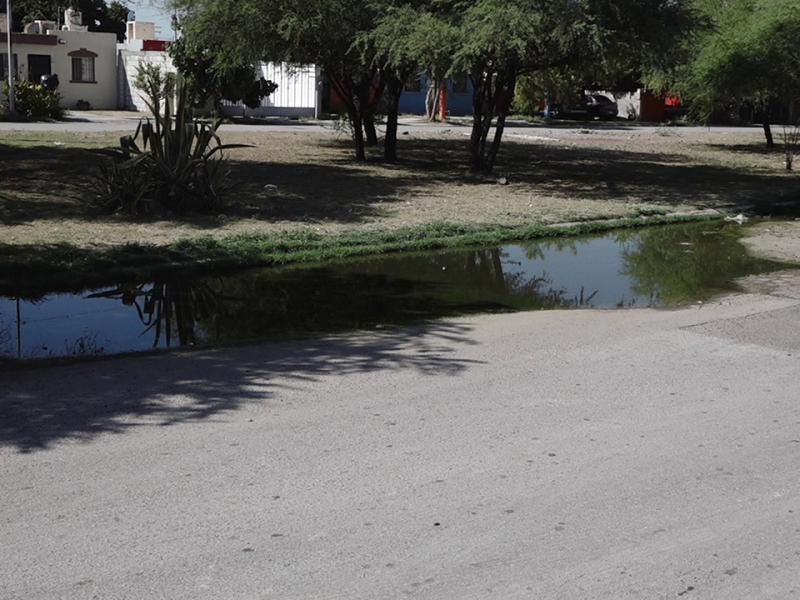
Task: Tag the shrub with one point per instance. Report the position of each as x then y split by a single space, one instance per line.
155 85
178 163
32 101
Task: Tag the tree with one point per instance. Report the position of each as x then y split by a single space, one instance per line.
504 39
366 47
321 32
97 15
750 55
204 81
404 42
418 40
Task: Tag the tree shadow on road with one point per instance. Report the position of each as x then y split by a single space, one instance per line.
79 403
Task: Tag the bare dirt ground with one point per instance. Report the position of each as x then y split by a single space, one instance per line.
779 240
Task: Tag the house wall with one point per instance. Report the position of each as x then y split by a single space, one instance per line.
459 104
299 93
128 97
101 93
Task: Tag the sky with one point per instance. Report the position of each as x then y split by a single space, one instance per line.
148 11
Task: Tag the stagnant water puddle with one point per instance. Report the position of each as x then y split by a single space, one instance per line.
652 267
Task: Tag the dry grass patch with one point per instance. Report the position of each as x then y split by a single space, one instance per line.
312 183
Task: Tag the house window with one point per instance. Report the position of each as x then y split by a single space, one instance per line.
82 69
4 67
83 66
460 84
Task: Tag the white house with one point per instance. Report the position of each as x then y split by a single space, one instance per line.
96 72
84 61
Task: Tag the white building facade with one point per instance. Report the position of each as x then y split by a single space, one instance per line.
84 61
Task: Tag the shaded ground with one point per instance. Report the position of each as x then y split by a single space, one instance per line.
119 395
581 174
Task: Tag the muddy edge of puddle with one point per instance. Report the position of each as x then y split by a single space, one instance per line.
779 240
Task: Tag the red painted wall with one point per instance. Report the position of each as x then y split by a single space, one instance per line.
652 107
157 45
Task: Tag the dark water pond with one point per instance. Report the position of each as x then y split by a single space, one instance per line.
652 267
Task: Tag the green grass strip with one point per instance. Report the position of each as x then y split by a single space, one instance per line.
34 270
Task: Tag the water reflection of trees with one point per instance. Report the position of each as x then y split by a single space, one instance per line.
685 263
5 336
188 310
359 295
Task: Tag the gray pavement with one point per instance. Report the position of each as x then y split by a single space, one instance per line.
642 454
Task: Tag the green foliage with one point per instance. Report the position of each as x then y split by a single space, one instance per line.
122 184
155 84
178 163
208 80
321 32
32 101
678 264
64 266
749 55
559 84
367 46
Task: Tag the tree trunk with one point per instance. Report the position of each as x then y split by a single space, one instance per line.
768 134
475 157
394 88
370 133
370 94
358 134
434 91
355 101
488 89
504 103
481 121
767 128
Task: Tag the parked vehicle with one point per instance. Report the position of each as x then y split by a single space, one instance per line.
592 106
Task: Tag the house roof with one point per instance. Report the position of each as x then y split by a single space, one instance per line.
30 38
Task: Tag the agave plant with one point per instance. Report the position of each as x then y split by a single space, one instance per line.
122 185
179 162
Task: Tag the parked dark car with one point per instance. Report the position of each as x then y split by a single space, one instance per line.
593 106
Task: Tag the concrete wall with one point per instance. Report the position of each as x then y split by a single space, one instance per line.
140 30
128 97
299 93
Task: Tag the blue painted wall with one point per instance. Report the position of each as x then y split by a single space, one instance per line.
459 97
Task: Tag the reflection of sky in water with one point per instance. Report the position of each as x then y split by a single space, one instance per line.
58 325
593 265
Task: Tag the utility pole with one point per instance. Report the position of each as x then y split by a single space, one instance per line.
12 113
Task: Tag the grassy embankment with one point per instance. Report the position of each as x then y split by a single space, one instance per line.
325 206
